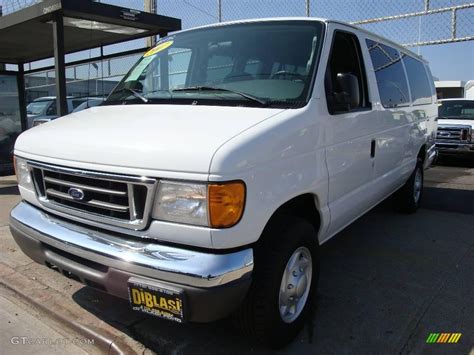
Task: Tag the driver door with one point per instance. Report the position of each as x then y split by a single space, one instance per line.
351 132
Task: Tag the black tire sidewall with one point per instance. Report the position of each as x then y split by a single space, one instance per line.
404 198
410 193
419 167
297 233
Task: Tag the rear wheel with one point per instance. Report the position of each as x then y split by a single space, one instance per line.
281 297
408 198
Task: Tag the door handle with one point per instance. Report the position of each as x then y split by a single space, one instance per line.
372 148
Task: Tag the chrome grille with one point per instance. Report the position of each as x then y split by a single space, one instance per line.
453 134
118 200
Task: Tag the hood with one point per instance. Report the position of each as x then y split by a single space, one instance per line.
449 121
180 138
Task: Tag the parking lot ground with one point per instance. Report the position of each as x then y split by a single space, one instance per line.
387 282
24 329
452 174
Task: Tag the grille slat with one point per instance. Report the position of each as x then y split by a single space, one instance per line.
131 202
93 203
453 134
84 187
117 200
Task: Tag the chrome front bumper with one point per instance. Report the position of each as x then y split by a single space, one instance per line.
455 148
106 261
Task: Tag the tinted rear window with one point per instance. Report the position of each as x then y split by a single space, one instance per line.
391 80
420 87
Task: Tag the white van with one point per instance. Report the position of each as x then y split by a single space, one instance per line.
206 182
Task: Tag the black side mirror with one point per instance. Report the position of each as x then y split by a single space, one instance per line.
349 94
51 111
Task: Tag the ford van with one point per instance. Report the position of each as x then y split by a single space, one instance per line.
455 127
205 184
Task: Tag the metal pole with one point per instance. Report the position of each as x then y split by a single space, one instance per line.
2 66
60 66
419 33
307 8
22 96
219 10
102 69
427 8
453 24
151 7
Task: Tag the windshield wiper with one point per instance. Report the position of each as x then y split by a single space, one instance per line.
134 93
211 88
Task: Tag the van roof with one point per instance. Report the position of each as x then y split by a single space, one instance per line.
311 19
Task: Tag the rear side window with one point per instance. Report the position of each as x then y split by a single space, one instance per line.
420 87
391 79
430 79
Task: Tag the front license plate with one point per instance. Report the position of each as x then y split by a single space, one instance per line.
155 300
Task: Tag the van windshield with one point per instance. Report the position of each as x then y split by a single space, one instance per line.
457 109
267 64
38 108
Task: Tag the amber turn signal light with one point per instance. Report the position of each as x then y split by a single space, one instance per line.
226 203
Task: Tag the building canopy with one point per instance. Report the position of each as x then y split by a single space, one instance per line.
28 35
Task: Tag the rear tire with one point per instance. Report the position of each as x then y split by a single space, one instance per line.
408 198
281 297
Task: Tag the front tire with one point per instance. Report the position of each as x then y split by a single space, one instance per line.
281 297
408 198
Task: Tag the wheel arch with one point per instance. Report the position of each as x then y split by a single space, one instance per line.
305 206
422 153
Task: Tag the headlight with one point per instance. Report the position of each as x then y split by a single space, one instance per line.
181 202
214 205
23 175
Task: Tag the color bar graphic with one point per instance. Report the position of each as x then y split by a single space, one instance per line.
442 338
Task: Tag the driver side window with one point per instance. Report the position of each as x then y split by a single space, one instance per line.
345 61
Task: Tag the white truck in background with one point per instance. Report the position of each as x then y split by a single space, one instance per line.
455 127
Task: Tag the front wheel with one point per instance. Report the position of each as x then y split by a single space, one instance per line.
281 296
408 198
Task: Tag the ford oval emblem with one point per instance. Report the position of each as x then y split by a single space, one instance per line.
76 194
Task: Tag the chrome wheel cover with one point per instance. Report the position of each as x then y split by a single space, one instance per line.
295 284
